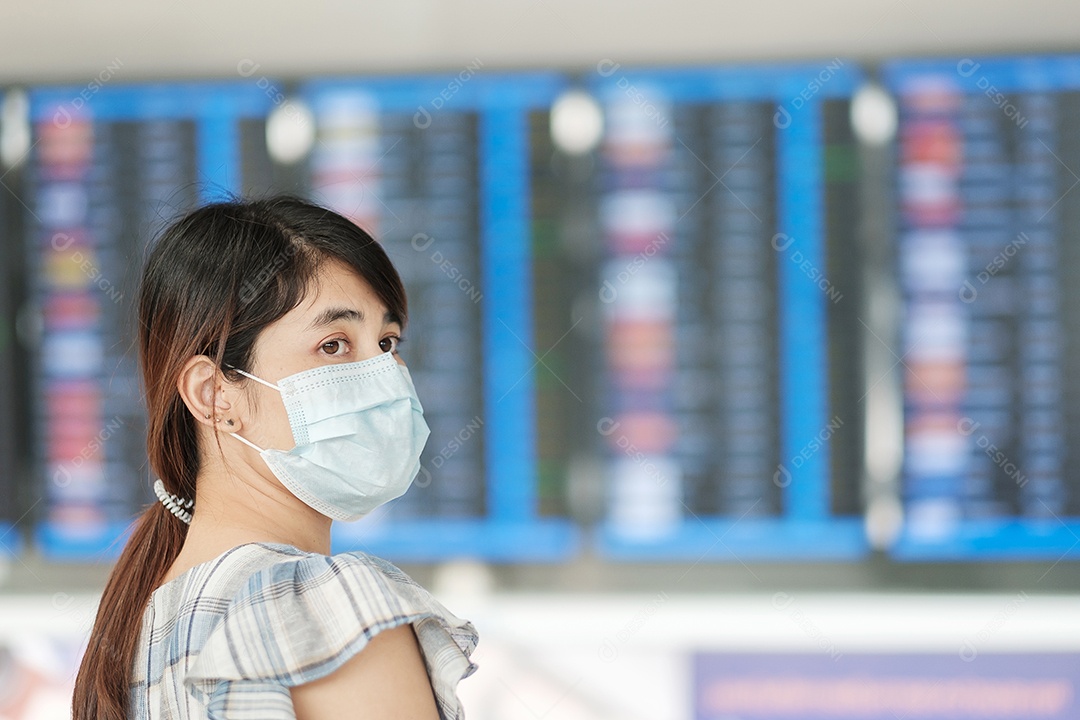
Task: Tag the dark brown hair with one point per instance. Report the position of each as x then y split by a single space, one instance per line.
213 281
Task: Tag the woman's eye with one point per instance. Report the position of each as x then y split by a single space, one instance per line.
390 343
334 347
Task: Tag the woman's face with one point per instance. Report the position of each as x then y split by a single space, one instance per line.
341 320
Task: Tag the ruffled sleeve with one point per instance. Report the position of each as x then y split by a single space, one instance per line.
299 620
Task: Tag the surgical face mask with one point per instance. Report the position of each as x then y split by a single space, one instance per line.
359 430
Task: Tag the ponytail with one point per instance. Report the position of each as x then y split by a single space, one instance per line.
110 653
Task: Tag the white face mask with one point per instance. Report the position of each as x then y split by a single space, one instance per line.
359 430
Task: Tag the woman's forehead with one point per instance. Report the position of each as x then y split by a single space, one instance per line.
338 288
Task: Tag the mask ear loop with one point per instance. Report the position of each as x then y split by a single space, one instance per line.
256 379
247 442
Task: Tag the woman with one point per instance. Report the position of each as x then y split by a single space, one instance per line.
277 402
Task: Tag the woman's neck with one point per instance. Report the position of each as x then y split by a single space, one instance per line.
237 507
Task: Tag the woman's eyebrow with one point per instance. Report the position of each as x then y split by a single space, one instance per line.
333 314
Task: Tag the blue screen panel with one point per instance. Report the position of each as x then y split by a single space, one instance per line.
110 166
730 421
438 169
987 248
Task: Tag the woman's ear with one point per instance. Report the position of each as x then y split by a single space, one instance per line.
197 385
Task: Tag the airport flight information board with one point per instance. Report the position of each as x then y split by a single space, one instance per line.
106 173
438 168
988 256
730 413
662 335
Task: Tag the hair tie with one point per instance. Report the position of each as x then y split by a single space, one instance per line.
177 505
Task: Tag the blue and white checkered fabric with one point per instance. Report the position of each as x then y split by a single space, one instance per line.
228 638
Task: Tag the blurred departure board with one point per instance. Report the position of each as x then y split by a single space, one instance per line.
108 170
730 415
438 169
11 400
988 253
663 334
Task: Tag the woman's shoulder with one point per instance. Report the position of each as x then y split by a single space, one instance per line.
298 616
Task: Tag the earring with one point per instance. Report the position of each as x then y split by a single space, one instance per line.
207 416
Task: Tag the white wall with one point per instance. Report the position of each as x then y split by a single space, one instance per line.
73 41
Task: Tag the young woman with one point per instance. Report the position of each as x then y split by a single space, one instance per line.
277 402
